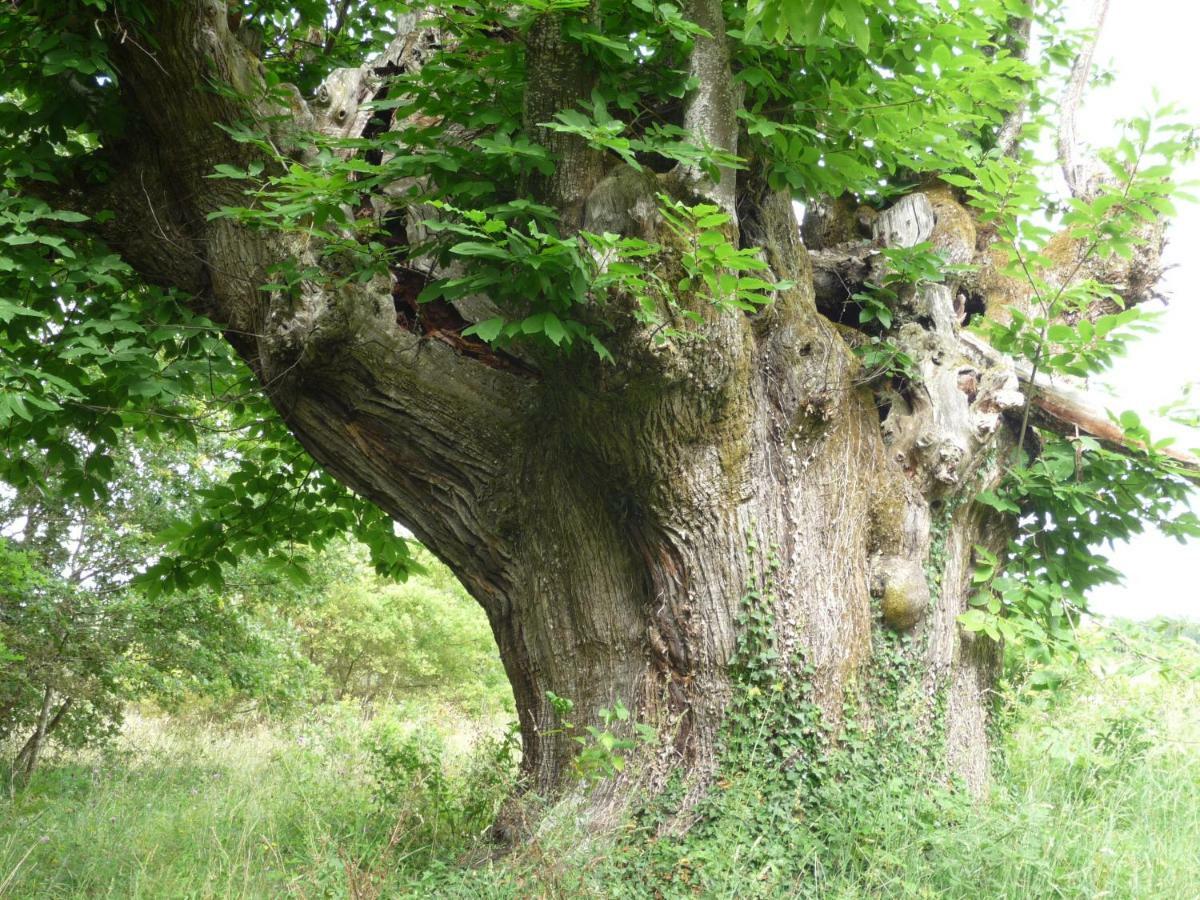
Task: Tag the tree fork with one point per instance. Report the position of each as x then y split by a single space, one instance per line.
601 514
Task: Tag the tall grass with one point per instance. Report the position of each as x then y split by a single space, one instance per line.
1097 794
188 810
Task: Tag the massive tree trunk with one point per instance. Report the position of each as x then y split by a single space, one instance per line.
609 517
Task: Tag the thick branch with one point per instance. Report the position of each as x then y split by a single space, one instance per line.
710 114
557 79
1061 410
1016 41
421 426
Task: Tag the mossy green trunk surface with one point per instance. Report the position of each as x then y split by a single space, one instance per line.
608 516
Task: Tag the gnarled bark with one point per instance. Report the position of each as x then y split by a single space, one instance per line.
601 514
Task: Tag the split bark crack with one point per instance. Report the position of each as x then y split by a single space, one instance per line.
600 514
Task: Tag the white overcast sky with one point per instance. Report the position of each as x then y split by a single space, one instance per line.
1153 44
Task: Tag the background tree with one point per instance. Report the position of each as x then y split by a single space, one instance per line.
81 641
378 641
529 280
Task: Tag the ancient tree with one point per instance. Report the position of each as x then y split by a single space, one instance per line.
529 278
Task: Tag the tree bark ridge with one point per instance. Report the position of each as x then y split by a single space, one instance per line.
609 518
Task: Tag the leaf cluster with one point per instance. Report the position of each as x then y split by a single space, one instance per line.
1075 498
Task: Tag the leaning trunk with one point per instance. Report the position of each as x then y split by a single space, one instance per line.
620 524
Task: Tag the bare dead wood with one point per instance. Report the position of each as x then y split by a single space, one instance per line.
1061 409
906 223
843 270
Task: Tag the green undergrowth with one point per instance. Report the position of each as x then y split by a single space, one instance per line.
1096 793
1096 797
329 805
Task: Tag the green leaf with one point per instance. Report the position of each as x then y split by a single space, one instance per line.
553 328
475 248
974 620
488 329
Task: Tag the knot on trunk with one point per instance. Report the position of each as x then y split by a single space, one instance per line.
903 591
310 322
623 203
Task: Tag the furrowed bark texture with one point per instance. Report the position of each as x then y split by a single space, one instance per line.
601 514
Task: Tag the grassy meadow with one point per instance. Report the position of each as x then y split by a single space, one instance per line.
1097 794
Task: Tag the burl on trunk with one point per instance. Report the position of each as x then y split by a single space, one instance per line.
610 517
